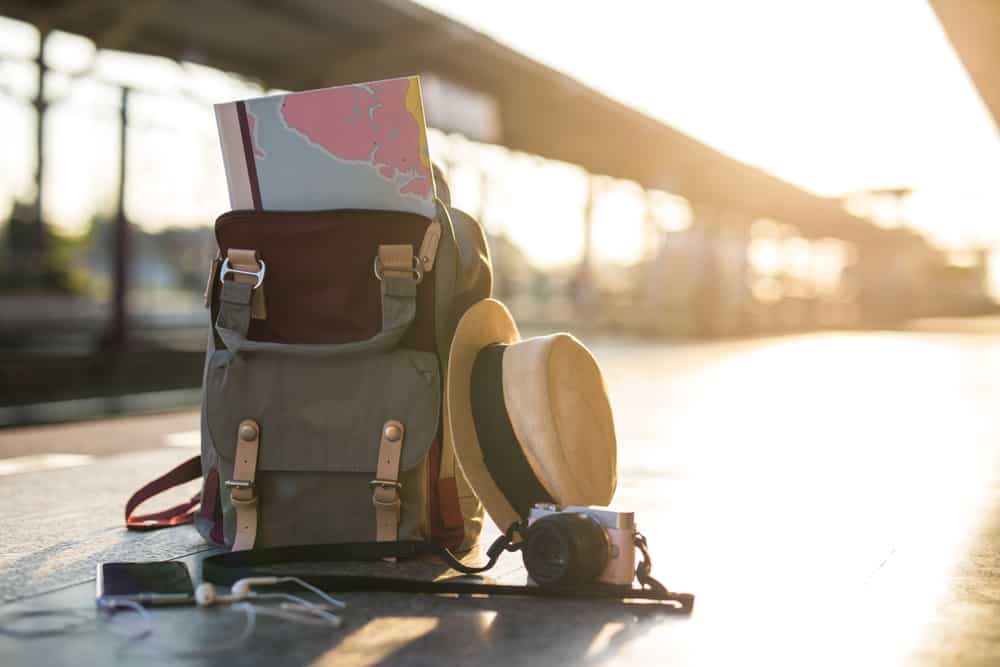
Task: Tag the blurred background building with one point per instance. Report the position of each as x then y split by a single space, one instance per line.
601 213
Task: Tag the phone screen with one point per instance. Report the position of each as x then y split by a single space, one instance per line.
166 581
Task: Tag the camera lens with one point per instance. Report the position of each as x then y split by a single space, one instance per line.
563 549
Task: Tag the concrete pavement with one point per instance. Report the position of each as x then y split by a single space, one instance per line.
832 499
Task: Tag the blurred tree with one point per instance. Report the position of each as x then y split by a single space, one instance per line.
33 258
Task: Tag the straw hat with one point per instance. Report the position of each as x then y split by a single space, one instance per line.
530 419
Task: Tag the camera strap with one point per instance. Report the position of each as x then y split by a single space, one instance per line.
226 569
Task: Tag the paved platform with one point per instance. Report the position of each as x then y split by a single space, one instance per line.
832 499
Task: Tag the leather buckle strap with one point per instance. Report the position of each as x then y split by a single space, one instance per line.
386 485
246 266
416 270
242 489
400 258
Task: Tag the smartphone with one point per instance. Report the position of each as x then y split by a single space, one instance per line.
150 584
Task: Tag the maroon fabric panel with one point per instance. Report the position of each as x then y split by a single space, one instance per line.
320 286
211 506
449 529
210 494
447 524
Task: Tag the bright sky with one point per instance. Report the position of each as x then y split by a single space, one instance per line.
832 96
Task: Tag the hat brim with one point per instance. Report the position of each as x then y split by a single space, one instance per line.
487 322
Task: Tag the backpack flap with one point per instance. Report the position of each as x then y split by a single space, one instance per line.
320 283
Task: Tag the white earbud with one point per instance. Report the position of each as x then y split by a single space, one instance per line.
206 595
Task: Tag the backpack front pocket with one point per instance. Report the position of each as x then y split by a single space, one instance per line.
321 422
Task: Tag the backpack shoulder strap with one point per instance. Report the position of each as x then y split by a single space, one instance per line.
173 516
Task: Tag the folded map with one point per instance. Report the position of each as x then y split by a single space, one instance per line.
357 146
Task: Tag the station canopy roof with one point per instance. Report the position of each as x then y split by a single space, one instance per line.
973 26
303 44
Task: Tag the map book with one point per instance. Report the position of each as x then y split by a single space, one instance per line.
357 146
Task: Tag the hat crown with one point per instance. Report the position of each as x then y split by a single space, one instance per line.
558 406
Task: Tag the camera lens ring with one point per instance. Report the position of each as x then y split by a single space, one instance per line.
565 549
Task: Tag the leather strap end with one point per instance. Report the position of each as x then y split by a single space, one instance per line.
429 246
210 283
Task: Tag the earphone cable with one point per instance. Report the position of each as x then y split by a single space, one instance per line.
109 607
304 616
158 646
325 596
301 608
77 618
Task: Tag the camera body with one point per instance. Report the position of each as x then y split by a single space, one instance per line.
577 545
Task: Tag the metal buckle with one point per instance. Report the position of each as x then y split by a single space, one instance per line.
259 275
238 485
417 270
386 484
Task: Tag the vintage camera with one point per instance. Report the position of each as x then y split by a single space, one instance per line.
576 545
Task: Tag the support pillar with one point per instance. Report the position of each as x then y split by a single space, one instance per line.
584 296
36 237
117 333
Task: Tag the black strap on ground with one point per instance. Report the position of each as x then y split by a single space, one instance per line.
226 569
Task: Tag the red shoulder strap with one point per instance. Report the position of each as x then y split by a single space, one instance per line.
173 516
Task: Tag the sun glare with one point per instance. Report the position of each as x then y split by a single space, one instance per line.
834 97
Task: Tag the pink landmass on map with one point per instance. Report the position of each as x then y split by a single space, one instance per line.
419 186
364 123
252 126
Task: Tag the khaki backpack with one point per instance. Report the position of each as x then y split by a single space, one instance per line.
322 408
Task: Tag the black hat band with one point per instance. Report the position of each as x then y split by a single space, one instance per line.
502 454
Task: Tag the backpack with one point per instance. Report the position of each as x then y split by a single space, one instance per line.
322 413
